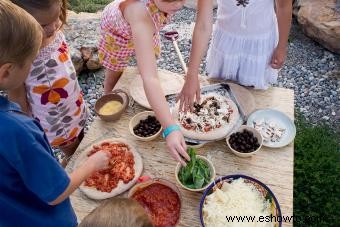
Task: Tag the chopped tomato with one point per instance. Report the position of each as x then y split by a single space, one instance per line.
121 167
207 128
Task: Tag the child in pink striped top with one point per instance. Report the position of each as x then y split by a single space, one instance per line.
130 27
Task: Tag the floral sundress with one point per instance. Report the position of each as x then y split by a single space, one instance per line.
54 94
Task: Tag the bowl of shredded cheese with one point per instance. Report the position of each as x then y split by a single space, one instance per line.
231 198
111 106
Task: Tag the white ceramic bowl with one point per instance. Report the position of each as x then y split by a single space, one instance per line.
256 133
212 174
136 119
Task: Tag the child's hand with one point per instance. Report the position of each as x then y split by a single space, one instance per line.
177 147
278 58
187 97
99 160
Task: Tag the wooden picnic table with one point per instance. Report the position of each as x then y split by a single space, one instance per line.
274 167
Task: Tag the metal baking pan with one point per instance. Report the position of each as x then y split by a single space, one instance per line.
221 89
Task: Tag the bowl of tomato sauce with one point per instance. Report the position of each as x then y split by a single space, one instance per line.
161 199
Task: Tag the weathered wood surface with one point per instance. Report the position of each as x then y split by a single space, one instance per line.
274 167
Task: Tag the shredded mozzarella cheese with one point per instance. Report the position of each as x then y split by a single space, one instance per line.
236 199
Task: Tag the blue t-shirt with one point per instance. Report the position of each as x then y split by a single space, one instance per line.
30 176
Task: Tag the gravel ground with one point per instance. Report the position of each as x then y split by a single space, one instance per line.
310 70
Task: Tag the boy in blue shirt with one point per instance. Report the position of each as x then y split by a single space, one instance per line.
34 188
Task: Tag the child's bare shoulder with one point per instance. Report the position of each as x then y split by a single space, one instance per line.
134 10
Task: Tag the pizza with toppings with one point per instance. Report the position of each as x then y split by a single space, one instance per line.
125 167
212 119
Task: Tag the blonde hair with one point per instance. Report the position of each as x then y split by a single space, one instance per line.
20 34
117 212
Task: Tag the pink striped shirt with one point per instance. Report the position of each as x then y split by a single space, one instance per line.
116 45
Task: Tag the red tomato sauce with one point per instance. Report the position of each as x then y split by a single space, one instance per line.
161 203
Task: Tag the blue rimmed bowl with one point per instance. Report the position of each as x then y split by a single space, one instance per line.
261 187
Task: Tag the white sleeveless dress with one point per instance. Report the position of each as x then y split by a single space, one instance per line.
244 38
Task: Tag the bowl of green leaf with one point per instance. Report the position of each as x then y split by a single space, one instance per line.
197 175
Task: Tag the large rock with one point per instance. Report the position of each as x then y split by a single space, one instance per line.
93 61
320 20
77 59
82 34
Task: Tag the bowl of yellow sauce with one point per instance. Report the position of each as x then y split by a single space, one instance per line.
111 106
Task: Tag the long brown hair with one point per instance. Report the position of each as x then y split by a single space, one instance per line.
117 212
31 5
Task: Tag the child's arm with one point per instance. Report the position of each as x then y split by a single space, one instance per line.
143 29
95 162
27 151
18 96
201 36
284 19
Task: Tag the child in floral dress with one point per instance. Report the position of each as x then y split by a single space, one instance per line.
51 93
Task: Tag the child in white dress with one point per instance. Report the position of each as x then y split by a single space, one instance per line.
248 44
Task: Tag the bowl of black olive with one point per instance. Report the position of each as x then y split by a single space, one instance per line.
145 126
245 142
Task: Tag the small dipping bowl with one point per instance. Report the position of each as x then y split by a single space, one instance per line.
212 174
116 95
256 133
135 121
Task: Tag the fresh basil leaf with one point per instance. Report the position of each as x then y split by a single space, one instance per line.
199 181
185 175
196 174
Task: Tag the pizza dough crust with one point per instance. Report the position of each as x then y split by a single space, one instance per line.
171 83
121 187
